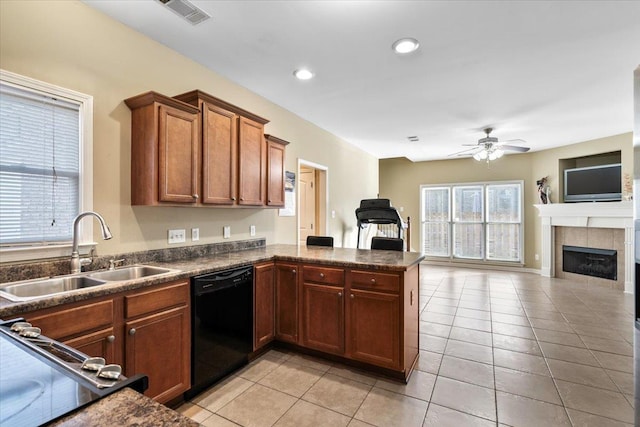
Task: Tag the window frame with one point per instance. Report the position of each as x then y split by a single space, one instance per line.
23 252
484 260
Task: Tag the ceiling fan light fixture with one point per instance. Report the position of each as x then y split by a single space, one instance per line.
499 153
303 74
477 156
405 45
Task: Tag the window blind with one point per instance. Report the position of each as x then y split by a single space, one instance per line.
39 167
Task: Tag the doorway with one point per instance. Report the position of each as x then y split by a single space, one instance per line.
312 200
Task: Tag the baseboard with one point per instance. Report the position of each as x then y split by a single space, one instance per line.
483 266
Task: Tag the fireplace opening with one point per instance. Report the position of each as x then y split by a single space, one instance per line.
593 262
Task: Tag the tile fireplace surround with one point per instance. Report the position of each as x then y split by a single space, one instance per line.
605 215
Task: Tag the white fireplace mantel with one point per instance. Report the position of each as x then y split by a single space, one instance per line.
593 215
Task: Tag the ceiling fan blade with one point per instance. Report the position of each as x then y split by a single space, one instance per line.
515 148
517 140
470 145
469 151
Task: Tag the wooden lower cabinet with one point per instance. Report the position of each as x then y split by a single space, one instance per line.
323 318
374 328
98 344
263 304
147 332
159 347
158 338
286 304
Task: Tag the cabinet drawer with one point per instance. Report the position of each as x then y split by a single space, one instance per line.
375 281
156 300
72 321
323 275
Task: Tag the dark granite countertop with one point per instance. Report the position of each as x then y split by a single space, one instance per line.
125 408
186 268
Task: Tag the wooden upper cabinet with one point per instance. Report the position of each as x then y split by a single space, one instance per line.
275 170
165 152
234 155
251 164
219 155
178 155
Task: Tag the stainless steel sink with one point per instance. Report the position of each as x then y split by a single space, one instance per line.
22 291
129 273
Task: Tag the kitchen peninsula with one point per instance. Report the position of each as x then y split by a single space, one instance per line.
354 305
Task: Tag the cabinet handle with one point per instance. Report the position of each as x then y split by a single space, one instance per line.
132 331
373 281
352 296
322 275
111 338
294 271
195 196
340 294
411 297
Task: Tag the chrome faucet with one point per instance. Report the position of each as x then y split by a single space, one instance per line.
75 256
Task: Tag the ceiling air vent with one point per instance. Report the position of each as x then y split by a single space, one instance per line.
413 138
186 10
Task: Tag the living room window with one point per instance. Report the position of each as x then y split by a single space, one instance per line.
45 166
479 221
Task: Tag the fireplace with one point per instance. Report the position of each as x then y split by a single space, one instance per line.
592 262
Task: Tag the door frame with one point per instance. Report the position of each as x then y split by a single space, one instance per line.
325 187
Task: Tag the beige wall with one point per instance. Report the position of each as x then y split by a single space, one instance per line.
400 180
66 43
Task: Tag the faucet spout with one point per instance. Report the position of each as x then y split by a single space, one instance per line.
106 235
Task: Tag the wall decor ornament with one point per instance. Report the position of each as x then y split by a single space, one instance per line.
544 191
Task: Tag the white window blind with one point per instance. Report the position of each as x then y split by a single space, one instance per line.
39 167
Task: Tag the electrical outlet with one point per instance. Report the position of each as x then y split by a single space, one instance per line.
226 231
333 214
252 230
176 236
195 234
537 257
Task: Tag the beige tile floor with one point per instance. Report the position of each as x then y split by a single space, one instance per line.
496 349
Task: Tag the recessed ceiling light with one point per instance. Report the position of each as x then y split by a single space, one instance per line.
303 74
405 45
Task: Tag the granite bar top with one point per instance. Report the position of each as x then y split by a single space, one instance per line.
125 408
186 268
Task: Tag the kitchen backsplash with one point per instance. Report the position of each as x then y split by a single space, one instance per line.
57 267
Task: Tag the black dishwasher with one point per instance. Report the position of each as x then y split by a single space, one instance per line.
221 325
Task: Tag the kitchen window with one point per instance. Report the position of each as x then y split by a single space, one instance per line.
479 221
45 167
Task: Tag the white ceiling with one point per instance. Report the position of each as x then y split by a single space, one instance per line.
549 72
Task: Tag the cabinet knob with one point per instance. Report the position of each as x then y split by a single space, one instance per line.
351 296
132 331
242 199
373 281
340 294
195 196
269 201
294 271
111 338
322 275
233 198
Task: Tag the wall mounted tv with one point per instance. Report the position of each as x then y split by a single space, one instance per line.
593 184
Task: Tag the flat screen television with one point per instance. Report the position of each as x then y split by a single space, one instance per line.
593 184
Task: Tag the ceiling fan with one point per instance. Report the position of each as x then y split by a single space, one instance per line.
489 148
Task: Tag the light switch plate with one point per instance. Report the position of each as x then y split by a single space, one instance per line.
226 231
195 234
177 236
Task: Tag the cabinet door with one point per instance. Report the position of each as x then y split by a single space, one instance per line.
178 155
159 347
323 318
263 300
287 302
219 155
251 165
275 174
374 328
98 344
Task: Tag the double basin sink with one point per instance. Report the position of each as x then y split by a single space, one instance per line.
30 289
